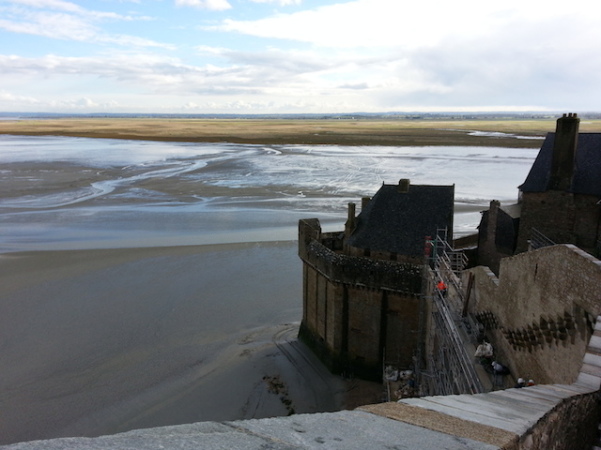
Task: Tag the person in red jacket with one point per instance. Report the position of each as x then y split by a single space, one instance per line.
442 288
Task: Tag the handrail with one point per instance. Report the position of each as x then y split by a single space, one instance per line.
539 240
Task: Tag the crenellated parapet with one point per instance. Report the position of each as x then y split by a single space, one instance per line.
321 251
361 271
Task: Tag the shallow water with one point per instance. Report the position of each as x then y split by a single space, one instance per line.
62 192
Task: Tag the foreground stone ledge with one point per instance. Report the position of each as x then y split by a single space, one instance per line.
444 423
353 430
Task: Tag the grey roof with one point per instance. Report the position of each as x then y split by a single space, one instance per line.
399 222
587 174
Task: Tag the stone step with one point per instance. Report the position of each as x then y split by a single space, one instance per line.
591 370
572 388
546 392
513 401
594 344
509 423
545 398
598 323
587 380
496 407
592 359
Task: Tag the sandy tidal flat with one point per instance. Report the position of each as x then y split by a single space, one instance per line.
100 341
500 133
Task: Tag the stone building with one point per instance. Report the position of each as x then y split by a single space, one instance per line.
560 197
362 287
531 291
559 202
497 234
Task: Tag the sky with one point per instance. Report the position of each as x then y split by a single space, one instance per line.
299 56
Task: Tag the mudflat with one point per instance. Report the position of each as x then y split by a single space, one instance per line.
100 341
499 133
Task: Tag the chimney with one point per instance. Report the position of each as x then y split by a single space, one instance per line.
404 184
564 152
364 202
349 226
493 215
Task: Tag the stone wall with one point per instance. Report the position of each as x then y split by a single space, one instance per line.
570 425
357 312
561 216
540 312
496 237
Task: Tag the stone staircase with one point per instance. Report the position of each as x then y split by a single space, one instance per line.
503 418
591 367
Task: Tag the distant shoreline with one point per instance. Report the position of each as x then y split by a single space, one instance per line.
491 133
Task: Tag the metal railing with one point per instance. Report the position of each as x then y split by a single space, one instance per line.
539 240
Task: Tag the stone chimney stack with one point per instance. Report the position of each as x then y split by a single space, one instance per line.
564 152
493 214
404 185
364 202
349 226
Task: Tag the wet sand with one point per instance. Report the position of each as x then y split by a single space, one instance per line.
100 341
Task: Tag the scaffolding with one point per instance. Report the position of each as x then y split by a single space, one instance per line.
450 367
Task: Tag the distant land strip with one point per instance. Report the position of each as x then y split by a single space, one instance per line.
489 133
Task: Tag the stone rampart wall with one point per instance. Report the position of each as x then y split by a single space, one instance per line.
356 270
321 252
357 311
569 425
540 312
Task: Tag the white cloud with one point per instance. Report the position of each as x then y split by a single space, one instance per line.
279 2
362 55
69 7
63 20
414 25
214 5
85 103
387 53
30 103
8 98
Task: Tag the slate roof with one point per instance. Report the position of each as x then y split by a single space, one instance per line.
587 174
398 222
